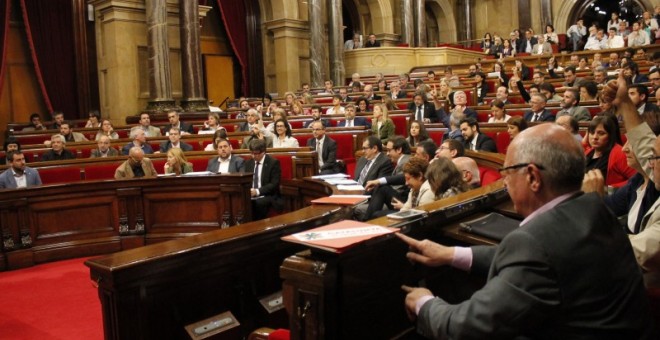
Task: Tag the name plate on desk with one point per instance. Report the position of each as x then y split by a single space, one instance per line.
212 327
273 302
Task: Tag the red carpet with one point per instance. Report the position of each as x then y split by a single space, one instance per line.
50 301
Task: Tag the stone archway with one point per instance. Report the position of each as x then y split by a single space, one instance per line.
564 17
443 13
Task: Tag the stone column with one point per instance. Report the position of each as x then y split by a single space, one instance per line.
336 42
469 35
160 88
420 24
546 14
407 23
191 63
317 43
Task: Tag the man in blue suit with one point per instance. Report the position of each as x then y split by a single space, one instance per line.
18 175
351 120
225 162
538 113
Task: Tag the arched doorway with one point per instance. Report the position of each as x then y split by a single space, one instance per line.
440 22
599 11
351 19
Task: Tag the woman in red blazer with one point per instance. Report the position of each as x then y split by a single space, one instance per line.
604 151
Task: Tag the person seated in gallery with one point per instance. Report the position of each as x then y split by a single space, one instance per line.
140 141
175 121
470 170
316 116
258 133
35 123
103 148
18 175
57 150
136 166
11 144
176 162
225 162
66 130
351 120
145 124
174 141
266 171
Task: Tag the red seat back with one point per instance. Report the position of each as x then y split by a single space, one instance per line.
286 165
100 171
488 175
64 174
400 125
502 141
199 163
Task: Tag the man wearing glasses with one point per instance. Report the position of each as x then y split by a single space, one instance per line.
265 182
326 148
542 281
136 166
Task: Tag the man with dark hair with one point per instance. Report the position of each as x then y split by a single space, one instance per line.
654 78
35 123
473 140
538 112
225 162
549 91
393 186
541 281
351 120
426 150
66 130
174 141
450 148
173 117
588 91
145 124
316 117
373 163
570 106
58 118
421 109
18 175
639 95
371 41
326 148
266 171
570 78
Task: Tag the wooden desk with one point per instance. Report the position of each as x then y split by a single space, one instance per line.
49 223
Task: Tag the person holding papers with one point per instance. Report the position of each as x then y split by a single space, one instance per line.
266 180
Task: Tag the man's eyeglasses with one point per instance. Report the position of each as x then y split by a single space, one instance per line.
652 159
506 170
654 79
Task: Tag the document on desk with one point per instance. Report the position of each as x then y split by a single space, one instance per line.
198 173
340 181
330 176
352 187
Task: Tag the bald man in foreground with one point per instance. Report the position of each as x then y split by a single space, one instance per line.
136 166
568 271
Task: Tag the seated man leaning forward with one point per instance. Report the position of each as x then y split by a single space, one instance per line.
135 166
18 175
542 281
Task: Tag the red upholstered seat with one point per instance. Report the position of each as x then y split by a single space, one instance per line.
159 164
32 139
65 174
122 133
286 165
302 139
297 124
199 163
280 334
483 116
502 141
436 136
235 143
100 171
400 125
488 175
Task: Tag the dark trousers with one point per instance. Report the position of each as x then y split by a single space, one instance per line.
383 195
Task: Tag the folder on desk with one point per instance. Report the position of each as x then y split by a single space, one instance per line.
340 236
341 199
495 226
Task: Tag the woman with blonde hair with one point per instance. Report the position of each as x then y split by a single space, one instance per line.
381 125
289 98
211 125
105 129
177 163
297 109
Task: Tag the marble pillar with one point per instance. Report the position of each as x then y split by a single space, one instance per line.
191 62
160 87
336 42
546 14
420 24
407 23
317 43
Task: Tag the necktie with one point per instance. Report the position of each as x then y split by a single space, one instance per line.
419 114
255 177
536 117
318 150
414 198
363 173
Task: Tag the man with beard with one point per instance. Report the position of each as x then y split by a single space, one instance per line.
18 175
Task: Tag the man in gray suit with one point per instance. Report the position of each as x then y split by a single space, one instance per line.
374 163
225 162
18 175
542 281
570 106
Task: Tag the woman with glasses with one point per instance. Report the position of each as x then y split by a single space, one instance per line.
283 137
177 163
106 130
362 105
420 190
381 125
604 153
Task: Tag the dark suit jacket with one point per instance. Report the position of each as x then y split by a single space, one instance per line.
542 283
7 180
329 154
357 121
145 147
166 146
236 164
546 116
381 168
484 143
640 78
111 153
522 44
185 127
50 155
270 175
399 95
428 112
